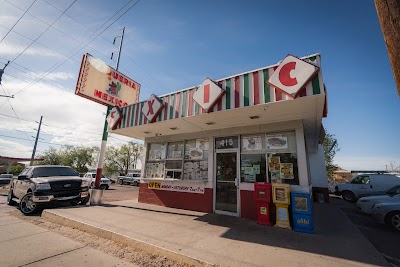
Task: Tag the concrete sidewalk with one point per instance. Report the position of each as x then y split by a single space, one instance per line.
25 244
201 238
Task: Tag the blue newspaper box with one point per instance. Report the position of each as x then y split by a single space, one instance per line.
302 212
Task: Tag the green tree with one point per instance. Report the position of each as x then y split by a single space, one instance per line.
50 156
120 160
16 169
331 146
78 158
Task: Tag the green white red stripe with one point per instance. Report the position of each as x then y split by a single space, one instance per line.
242 90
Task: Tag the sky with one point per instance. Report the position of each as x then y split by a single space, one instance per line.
175 44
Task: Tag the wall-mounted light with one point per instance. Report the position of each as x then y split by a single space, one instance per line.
174 128
147 132
210 123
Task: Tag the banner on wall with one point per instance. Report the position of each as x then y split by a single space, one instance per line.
161 185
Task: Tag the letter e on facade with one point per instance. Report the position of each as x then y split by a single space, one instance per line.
292 75
152 107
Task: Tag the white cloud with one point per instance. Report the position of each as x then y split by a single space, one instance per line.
14 149
52 76
14 49
365 163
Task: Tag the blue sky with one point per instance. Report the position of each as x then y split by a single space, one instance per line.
171 45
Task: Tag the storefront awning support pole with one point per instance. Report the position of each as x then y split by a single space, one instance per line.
105 130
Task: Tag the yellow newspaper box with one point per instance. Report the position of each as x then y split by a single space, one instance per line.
281 198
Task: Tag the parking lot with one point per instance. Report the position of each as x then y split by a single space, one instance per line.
384 238
120 192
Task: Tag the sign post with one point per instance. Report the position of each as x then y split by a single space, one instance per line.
101 83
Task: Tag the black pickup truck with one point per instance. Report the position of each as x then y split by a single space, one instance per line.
40 185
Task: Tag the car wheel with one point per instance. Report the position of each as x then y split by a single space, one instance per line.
121 182
92 184
10 197
107 186
85 200
27 206
135 183
349 196
394 219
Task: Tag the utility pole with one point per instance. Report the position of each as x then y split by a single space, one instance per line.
105 130
389 17
36 140
2 70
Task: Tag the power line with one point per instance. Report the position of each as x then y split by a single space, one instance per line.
17 21
45 30
60 63
15 113
7 136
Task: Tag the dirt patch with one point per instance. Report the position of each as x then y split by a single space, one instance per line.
115 249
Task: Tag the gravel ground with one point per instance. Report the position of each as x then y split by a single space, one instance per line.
122 251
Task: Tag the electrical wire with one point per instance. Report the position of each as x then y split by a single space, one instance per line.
40 35
16 114
60 63
7 136
17 21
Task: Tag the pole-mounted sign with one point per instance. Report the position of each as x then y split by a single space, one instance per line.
103 84
292 75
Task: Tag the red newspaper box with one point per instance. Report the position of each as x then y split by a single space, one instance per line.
262 196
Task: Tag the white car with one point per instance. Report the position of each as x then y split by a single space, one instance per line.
365 204
366 184
104 183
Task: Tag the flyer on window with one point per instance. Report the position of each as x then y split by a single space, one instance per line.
276 142
287 171
195 153
274 164
252 143
202 144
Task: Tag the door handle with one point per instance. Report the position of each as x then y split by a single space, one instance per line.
236 182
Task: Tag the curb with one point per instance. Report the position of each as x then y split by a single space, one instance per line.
120 238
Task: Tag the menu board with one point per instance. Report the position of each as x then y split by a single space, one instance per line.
195 170
155 170
276 142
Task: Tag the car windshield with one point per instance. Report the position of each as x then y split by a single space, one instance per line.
53 171
6 175
394 190
94 175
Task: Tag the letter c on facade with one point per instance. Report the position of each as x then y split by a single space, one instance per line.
284 74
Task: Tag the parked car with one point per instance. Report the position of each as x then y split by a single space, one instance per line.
365 204
392 191
130 178
366 183
40 185
388 213
5 179
104 182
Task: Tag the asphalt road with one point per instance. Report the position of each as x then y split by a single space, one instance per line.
384 238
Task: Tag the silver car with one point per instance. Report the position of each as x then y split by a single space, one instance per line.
365 204
388 213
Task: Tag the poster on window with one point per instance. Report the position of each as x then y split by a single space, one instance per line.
287 171
195 153
300 203
276 142
274 164
202 144
252 143
275 177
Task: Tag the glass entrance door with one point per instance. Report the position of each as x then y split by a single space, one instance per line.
226 199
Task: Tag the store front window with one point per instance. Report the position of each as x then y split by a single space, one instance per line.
269 157
184 160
